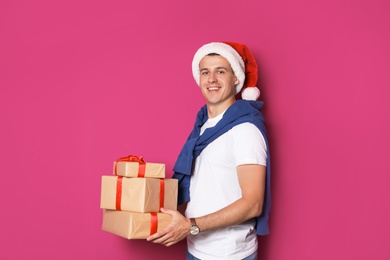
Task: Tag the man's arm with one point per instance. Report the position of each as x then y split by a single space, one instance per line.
251 178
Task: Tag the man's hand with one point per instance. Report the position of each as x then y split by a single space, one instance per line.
176 231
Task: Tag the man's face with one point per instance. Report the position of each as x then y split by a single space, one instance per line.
217 80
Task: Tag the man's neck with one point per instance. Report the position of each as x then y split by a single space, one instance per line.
215 110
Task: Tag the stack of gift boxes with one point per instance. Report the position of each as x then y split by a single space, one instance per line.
132 197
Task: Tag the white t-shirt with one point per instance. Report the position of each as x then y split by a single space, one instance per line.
214 185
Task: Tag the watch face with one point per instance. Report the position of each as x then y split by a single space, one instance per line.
194 230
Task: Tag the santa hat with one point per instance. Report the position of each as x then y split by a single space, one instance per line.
241 60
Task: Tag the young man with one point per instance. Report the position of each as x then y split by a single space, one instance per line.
223 168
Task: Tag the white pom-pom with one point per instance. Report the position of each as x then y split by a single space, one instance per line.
250 93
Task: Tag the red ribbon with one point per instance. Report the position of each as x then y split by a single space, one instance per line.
118 199
118 193
153 223
162 193
133 158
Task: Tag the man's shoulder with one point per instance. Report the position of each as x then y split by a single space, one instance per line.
246 126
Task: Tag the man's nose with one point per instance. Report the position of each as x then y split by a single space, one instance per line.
212 77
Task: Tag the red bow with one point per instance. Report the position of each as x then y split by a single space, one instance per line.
132 158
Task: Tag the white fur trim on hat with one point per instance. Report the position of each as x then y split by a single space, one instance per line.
226 51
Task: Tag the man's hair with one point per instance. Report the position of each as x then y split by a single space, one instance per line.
213 54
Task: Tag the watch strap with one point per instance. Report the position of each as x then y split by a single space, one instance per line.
193 222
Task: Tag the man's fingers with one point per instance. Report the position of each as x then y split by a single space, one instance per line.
168 211
160 239
155 236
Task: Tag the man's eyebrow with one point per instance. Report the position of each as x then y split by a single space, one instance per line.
218 68
224 68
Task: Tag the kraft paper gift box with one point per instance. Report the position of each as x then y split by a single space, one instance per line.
138 194
133 225
133 166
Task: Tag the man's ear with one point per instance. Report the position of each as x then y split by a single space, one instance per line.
236 82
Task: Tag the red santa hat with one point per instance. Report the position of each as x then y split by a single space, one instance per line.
241 60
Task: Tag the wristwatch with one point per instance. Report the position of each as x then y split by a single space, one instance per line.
194 230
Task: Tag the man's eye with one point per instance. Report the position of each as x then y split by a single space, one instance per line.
204 72
221 72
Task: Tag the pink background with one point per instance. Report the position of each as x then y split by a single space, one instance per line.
85 82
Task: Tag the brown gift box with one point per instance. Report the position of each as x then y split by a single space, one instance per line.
131 169
138 194
133 225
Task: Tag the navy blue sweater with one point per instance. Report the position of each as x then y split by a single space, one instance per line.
240 112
